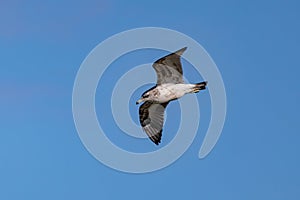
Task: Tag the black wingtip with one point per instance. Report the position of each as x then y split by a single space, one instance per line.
180 51
156 142
156 138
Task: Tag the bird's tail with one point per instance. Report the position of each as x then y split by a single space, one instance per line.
199 86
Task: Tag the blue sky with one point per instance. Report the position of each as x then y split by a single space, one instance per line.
255 45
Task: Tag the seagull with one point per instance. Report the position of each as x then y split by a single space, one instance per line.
170 86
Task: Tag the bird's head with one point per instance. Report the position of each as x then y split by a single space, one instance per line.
145 97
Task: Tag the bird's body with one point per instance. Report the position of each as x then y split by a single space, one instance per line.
170 86
169 91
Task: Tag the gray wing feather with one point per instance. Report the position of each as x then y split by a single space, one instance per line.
152 119
168 69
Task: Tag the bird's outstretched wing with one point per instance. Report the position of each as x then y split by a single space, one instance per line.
168 69
152 119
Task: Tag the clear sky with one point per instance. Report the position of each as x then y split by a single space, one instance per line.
255 44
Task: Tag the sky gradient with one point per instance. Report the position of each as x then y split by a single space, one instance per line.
255 45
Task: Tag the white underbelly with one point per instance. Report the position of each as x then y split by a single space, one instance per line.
173 91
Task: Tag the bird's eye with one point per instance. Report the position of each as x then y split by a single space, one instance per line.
145 95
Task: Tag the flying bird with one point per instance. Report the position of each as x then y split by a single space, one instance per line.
170 86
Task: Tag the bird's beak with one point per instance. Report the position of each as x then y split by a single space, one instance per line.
139 101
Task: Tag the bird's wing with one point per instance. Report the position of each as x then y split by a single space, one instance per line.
168 69
152 119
